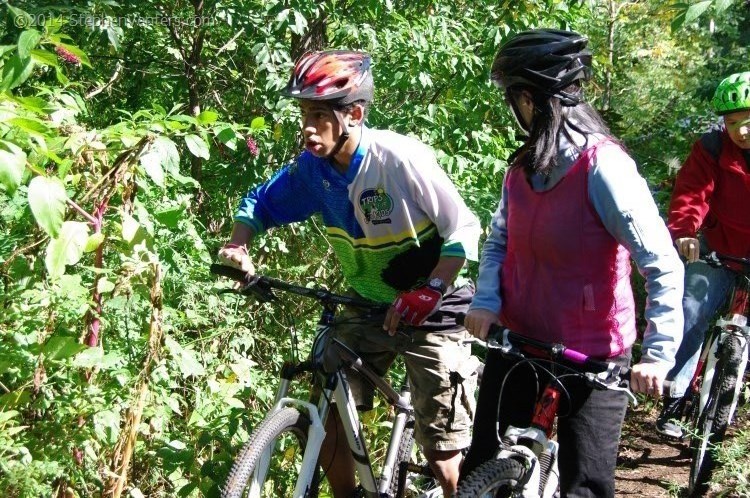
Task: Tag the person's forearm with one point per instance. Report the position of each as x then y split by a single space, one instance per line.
241 234
447 269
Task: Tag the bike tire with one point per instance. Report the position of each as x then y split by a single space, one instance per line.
711 425
283 436
502 478
420 483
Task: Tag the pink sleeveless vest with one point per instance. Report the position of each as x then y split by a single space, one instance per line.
565 278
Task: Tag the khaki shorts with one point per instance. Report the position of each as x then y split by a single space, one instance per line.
442 374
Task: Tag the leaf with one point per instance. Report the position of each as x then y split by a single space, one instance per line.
113 35
722 5
695 10
151 162
89 358
207 117
31 126
170 157
258 123
170 217
228 137
28 40
130 227
66 249
60 348
44 57
94 241
197 146
47 198
12 165
103 286
184 358
16 71
300 23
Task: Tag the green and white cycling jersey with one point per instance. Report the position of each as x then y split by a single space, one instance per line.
389 218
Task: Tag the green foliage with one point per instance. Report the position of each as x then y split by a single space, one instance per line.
124 147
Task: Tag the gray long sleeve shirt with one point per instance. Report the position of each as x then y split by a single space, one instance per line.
622 200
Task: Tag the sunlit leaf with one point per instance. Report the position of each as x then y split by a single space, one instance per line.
27 41
197 146
47 199
12 165
67 248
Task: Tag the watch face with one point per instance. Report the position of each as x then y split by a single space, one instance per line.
436 283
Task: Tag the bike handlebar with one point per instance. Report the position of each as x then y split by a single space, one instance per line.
714 258
556 351
598 373
262 287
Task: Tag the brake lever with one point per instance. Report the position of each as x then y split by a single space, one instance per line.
612 381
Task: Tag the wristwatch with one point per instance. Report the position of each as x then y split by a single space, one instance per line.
437 284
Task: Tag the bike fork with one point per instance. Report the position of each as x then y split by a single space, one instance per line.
399 424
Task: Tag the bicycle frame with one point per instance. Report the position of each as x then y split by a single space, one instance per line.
336 387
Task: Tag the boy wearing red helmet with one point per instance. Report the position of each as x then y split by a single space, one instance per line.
401 232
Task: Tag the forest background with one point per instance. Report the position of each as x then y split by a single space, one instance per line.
128 132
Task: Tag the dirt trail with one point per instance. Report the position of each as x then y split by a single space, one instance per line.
651 466
648 465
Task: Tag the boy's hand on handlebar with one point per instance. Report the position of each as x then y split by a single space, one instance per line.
689 248
648 378
478 322
236 256
413 307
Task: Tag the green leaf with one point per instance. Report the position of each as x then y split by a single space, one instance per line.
103 286
47 198
722 5
66 249
184 358
94 241
258 123
170 157
694 11
60 348
207 117
28 40
44 57
300 23
151 161
130 228
12 165
89 358
32 126
15 72
228 137
170 217
197 146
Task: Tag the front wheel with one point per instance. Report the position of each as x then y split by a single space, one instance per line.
711 424
496 478
270 461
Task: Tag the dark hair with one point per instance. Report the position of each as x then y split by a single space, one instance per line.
365 107
551 118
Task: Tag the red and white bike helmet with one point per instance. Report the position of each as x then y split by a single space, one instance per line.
338 76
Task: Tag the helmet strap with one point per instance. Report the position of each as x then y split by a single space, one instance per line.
344 134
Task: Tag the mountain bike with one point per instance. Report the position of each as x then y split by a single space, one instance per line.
715 388
526 463
281 457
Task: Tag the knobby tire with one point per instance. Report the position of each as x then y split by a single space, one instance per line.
496 478
278 426
711 425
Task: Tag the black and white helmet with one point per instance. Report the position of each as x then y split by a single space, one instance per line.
546 60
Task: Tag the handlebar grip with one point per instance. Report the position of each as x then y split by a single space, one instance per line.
229 272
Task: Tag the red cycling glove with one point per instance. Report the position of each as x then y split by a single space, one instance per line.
417 305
